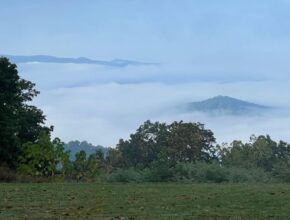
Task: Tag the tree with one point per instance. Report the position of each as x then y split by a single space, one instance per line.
85 168
100 155
179 141
190 142
79 165
114 159
263 149
237 154
143 146
19 121
43 157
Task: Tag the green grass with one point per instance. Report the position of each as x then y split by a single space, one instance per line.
143 201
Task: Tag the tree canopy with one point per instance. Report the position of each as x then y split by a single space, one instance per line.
179 141
261 152
19 121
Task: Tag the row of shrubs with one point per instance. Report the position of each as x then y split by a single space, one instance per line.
181 172
193 172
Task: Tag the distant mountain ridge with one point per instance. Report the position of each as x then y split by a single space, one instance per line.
80 60
225 105
77 146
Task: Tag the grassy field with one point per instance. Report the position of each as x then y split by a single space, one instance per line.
143 201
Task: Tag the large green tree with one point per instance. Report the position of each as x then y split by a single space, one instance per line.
178 142
144 145
19 121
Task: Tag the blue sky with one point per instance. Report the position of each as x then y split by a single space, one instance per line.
239 48
161 30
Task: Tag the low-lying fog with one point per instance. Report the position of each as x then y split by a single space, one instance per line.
102 105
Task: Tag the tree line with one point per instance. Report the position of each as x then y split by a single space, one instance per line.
179 151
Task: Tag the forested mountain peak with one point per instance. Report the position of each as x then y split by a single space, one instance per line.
226 105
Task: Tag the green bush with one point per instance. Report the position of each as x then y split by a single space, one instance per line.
253 175
126 175
215 173
160 170
201 172
281 172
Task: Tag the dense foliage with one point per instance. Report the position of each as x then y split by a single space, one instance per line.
260 160
19 121
176 142
261 152
43 157
85 167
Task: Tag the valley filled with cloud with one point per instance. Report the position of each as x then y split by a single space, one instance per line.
103 104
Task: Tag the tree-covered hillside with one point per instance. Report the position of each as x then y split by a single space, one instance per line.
77 146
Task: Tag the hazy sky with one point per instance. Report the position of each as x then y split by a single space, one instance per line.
241 32
239 48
